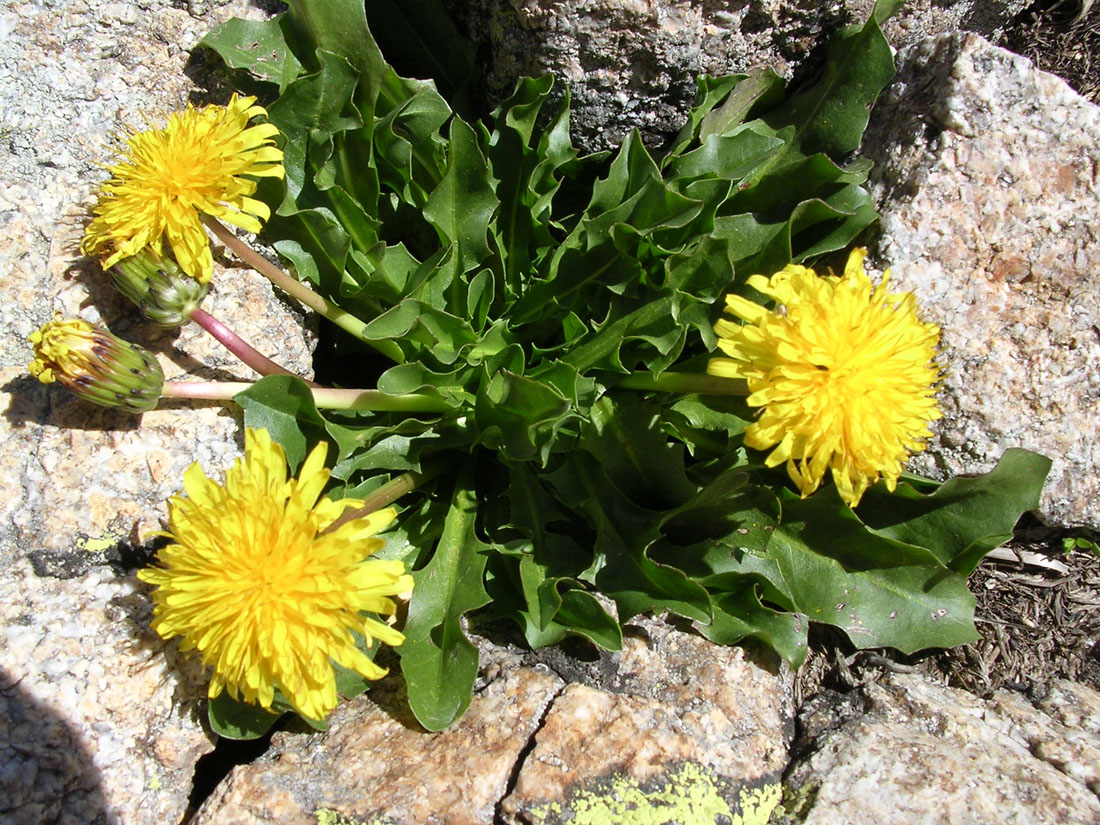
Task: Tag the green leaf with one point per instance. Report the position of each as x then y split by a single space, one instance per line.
731 157
966 517
636 454
258 47
1071 543
519 416
423 331
409 151
526 164
885 9
866 585
728 414
726 509
622 568
234 719
831 115
284 407
438 660
315 245
709 92
340 28
791 179
762 89
601 349
462 206
578 613
309 111
740 615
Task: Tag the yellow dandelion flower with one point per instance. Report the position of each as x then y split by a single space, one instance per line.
256 585
844 370
203 161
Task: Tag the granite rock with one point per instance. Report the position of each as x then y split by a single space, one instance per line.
923 753
686 728
100 722
376 763
634 63
98 719
672 723
81 473
987 180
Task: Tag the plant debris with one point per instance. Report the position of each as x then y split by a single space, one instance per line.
1061 37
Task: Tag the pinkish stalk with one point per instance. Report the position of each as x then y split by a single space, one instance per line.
238 346
299 291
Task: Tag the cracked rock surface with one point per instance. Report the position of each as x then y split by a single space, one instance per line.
633 64
919 752
533 748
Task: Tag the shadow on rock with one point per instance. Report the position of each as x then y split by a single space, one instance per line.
46 773
36 403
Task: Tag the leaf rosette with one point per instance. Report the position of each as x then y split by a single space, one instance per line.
525 284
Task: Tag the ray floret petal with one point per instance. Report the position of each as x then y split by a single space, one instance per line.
204 161
269 597
844 373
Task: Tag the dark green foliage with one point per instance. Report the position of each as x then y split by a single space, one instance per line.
521 282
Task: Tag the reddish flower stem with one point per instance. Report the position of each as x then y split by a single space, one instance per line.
238 346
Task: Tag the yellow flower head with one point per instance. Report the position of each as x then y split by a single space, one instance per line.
845 372
97 366
203 161
256 585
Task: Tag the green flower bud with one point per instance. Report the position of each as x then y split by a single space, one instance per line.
166 295
96 365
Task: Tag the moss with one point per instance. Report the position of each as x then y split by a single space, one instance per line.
796 804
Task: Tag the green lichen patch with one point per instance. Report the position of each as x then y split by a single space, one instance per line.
328 816
689 795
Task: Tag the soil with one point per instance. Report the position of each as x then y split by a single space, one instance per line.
1061 37
1038 613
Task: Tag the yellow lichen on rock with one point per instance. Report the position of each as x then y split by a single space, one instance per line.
692 795
327 816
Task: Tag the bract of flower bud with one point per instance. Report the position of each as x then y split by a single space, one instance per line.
96 365
166 295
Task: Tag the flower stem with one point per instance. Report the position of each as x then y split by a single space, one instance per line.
299 291
387 494
685 382
237 345
324 397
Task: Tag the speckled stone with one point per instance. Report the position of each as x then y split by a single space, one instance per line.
633 63
78 473
987 176
677 701
97 721
376 764
672 723
928 754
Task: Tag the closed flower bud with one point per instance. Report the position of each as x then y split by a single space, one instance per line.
96 365
166 295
